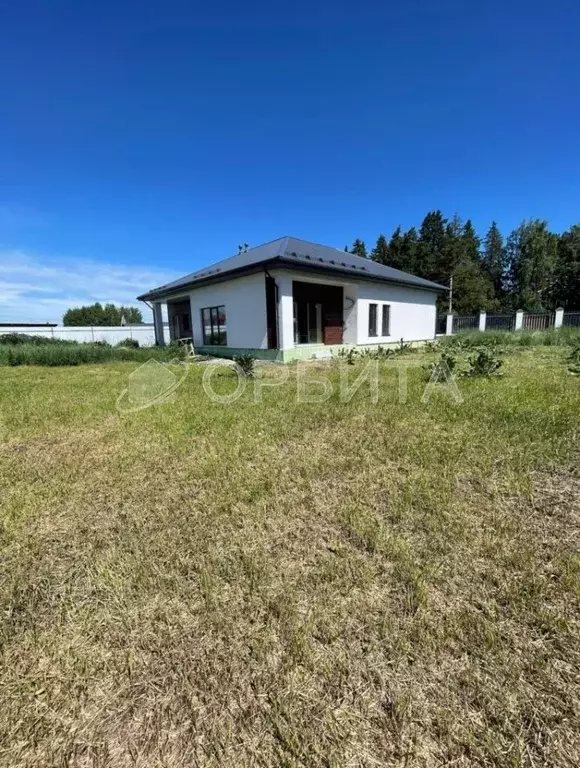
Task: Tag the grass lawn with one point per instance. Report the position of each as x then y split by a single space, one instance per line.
275 584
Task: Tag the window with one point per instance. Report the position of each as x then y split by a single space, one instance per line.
372 319
386 329
213 325
307 322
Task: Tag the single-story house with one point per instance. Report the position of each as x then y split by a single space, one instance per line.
291 299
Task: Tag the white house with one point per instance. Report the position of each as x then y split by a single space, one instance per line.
291 299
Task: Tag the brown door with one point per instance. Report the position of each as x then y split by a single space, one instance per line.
332 327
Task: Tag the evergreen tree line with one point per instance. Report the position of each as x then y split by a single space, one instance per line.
532 269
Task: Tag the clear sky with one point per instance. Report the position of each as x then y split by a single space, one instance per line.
142 140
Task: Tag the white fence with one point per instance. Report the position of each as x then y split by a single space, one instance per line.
144 334
449 324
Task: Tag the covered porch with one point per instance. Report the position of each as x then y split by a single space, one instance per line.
315 314
179 319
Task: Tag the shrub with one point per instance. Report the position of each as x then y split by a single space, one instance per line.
246 365
13 339
348 355
448 359
129 343
485 362
574 360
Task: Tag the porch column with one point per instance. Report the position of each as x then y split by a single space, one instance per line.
158 323
285 312
559 318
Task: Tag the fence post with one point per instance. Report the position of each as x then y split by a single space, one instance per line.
519 320
482 320
559 317
449 325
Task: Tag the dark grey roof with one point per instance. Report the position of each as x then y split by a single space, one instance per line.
290 250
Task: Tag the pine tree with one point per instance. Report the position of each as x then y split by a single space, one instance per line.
396 254
359 248
495 261
431 247
380 252
472 288
409 251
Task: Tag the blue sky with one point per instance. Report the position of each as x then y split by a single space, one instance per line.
141 140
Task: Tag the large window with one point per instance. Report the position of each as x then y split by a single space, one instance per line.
372 319
386 328
213 323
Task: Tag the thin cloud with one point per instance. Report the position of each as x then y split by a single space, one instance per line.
41 289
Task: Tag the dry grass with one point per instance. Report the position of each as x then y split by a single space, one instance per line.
284 585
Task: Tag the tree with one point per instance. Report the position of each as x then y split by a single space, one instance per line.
567 277
359 248
396 252
380 252
494 261
97 314
532 252
409 248
472 288
431 246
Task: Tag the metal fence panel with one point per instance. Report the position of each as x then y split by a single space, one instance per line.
465 322
500 322
571 319
538 322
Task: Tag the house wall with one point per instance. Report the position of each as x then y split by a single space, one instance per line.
413 311
284 279
245 301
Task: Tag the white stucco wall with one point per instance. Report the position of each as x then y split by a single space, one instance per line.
144 334
245 301
413 311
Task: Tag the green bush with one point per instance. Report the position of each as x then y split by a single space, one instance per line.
129 343
484 362
246 365
447 358
13 339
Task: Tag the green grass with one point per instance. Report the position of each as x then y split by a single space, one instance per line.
281 584
70 353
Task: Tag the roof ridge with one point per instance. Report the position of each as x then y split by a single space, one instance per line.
283 245
334 248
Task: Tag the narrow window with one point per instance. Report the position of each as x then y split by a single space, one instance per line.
206 326
213 323
386 329
372 319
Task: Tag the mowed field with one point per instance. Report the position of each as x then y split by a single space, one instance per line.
285 584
